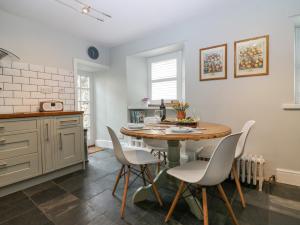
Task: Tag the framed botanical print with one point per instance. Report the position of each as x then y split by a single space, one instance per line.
213 63
251 57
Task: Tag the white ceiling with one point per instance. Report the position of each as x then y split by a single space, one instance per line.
131 19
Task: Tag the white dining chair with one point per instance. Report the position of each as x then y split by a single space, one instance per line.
129 159
239 151
159 148
206 174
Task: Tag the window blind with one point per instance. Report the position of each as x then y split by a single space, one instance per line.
164 79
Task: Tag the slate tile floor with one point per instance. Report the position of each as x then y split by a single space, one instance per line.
84 198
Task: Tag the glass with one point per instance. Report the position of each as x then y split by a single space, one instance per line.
85 95
84 106
84 82
86 121
158 113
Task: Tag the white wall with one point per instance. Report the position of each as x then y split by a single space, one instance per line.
231 101
38 44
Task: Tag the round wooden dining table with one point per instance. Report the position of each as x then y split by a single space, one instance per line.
203 131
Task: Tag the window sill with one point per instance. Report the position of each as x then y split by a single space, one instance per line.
291 106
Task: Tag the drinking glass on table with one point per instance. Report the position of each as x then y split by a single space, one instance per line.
158 113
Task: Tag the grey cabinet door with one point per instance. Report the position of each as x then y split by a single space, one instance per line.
17 144
68 146
48 145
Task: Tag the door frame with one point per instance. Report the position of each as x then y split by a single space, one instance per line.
90 67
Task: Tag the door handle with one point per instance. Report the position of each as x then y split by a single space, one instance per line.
2 140
60 141
47 132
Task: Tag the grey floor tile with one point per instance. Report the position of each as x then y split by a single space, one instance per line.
31 217
47 195
38 188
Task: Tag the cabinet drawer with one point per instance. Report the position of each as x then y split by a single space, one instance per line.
12 145
18 168
10 126
68 121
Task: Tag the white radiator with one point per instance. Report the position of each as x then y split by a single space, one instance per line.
250 168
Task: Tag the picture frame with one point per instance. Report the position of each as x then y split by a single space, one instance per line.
251 57
213 62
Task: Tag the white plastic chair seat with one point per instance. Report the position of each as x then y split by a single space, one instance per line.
187 171
140 157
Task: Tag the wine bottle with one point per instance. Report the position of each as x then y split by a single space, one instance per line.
162 107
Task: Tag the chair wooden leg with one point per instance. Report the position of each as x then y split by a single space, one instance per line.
204 203
238 185
156 193
117 180
227 204
165 158
143 174
174 203
125 192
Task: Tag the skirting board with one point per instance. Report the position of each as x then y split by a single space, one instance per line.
288 176
106 143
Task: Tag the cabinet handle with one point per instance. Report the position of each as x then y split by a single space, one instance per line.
60 141
2 127
47 131
2 140
3 164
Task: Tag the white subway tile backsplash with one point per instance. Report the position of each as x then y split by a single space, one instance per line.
63 72
53 83
21 94
36 81
64 84
38 68
44 76
6 94
30 101
12 101
27 73
20 80
5 79
49 69
68 79
37 95
58 77
29 87
69 90
5 64
12 87
12 72
6 109
20 66
22 108
23 86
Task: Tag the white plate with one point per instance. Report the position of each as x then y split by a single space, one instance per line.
181 130
135 126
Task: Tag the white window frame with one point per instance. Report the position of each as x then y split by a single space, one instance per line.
178 56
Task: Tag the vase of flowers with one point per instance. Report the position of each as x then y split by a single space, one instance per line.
146 101
181 108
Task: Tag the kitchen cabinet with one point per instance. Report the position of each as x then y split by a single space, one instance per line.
37 146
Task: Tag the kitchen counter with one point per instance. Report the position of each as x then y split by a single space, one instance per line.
38 114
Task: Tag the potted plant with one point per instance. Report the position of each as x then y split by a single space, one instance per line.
180 108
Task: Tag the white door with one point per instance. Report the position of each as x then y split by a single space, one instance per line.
85 103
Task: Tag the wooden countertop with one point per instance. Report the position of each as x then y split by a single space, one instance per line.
38 114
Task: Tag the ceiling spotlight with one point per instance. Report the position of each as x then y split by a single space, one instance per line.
86 9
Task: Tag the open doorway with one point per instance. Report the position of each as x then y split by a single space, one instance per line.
85 73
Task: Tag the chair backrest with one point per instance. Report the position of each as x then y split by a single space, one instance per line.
118 150
220 163
242 141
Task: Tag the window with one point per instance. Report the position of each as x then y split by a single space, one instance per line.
165 77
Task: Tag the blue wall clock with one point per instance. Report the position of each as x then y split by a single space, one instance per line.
93 52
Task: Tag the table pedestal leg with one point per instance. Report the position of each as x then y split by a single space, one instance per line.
164 180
